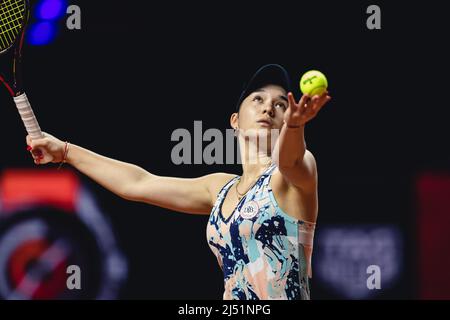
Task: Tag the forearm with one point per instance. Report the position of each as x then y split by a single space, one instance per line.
114 175
290 147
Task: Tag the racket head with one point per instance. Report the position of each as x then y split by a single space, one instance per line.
14 16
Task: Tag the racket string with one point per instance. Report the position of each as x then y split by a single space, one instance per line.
10 10
11 19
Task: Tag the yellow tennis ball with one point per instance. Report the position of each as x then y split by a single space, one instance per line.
313 82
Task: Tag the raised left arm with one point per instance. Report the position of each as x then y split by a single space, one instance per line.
296 164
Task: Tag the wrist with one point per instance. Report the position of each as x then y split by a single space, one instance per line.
64 154
293 126
71 155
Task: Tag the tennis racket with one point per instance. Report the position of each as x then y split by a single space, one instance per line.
14 16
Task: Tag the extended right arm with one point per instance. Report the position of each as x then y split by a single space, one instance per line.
131 182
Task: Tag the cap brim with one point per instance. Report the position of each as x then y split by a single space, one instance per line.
268 74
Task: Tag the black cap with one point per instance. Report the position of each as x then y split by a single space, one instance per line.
267 74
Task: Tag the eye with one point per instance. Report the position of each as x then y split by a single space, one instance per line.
281 105
258 98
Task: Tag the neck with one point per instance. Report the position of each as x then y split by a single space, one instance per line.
254 160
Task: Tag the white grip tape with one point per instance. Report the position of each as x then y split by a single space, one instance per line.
28 117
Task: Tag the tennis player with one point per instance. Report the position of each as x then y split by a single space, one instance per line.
261 224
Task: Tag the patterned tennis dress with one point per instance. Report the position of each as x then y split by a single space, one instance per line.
264 253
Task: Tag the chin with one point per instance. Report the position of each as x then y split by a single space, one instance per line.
262 132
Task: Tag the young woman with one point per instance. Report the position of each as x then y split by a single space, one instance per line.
261 224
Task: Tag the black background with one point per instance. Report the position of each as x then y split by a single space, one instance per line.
139 70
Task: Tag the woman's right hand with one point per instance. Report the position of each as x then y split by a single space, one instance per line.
47 149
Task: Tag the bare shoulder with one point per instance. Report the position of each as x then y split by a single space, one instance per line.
301 177
310 159
216 181
299 202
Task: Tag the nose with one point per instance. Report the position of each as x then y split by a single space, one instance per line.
268 108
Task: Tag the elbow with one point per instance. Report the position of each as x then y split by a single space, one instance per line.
132 191
135 188
288 161
288 164
127 193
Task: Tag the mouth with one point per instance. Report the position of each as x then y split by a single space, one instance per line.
265 123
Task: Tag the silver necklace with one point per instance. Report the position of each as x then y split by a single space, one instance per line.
241 195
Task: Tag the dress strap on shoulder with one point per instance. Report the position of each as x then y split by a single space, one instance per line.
268 174
227 186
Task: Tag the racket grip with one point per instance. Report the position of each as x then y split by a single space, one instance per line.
28 117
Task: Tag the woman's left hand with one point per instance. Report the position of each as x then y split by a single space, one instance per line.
297 114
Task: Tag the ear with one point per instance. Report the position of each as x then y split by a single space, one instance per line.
234 120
